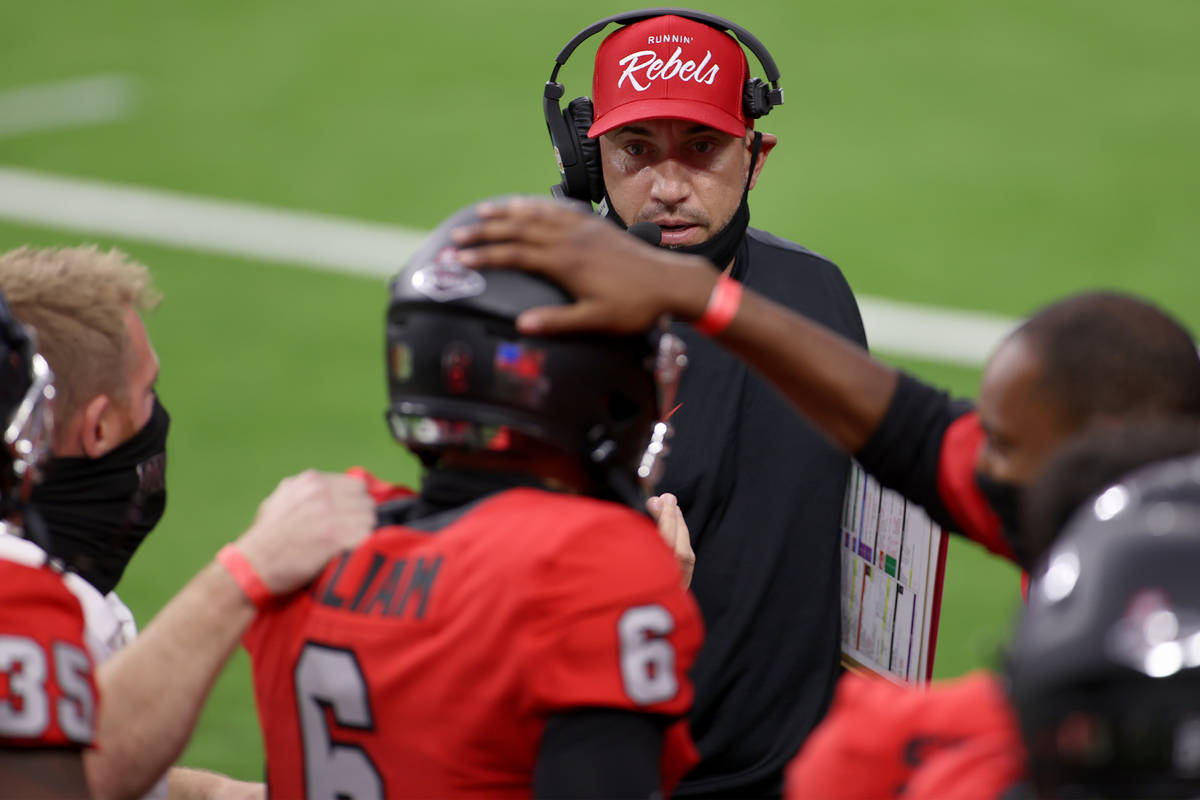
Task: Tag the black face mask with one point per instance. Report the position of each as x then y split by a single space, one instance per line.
721 247
98 510
1005 501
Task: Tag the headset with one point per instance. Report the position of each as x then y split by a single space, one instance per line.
578 156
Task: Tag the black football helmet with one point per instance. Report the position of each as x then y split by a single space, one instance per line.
26 388
1105 665
461 376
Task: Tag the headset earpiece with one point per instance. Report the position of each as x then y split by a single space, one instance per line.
758 98
579 118
566 149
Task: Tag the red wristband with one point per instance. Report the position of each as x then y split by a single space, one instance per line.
244 575
722 307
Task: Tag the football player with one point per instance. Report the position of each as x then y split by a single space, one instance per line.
517 626
47 692
1104 666
104 490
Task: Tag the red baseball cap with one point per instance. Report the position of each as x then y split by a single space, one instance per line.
669 68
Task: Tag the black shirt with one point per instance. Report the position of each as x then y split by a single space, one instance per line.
762 493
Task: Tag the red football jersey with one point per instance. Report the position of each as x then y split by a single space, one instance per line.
426 664
47 692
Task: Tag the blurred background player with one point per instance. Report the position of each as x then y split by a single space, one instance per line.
1105 664
518 627
668 138
47 692
961 738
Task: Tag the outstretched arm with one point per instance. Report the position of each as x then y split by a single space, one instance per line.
624 285
152 691
896 426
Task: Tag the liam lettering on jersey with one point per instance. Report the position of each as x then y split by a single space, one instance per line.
389 587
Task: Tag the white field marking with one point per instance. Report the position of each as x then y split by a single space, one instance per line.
364 248
948 335
213 226
66 104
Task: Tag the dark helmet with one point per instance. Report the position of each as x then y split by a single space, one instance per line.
461 376
1105 665
26 387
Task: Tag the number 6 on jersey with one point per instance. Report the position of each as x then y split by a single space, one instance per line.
330 678
647 659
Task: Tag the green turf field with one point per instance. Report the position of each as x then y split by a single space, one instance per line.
988 157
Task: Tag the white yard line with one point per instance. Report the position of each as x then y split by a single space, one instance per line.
66 104
948 335
346 245
198 223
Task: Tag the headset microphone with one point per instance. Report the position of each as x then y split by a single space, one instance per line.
647 232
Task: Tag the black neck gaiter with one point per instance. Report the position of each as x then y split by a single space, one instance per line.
98 510
1005 501
445 488
721 247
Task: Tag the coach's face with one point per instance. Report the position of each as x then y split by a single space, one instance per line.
684 177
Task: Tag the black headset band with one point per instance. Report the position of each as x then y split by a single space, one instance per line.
744 36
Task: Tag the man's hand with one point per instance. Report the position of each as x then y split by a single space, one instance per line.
665 510
306 521
621 284
153 689
187 783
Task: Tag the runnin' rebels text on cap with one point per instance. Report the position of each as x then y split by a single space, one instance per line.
669 68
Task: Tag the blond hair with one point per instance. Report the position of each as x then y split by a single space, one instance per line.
76 299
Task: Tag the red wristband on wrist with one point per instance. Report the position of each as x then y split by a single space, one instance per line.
722 307
244 575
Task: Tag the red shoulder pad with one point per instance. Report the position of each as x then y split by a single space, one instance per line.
47 690
614 627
